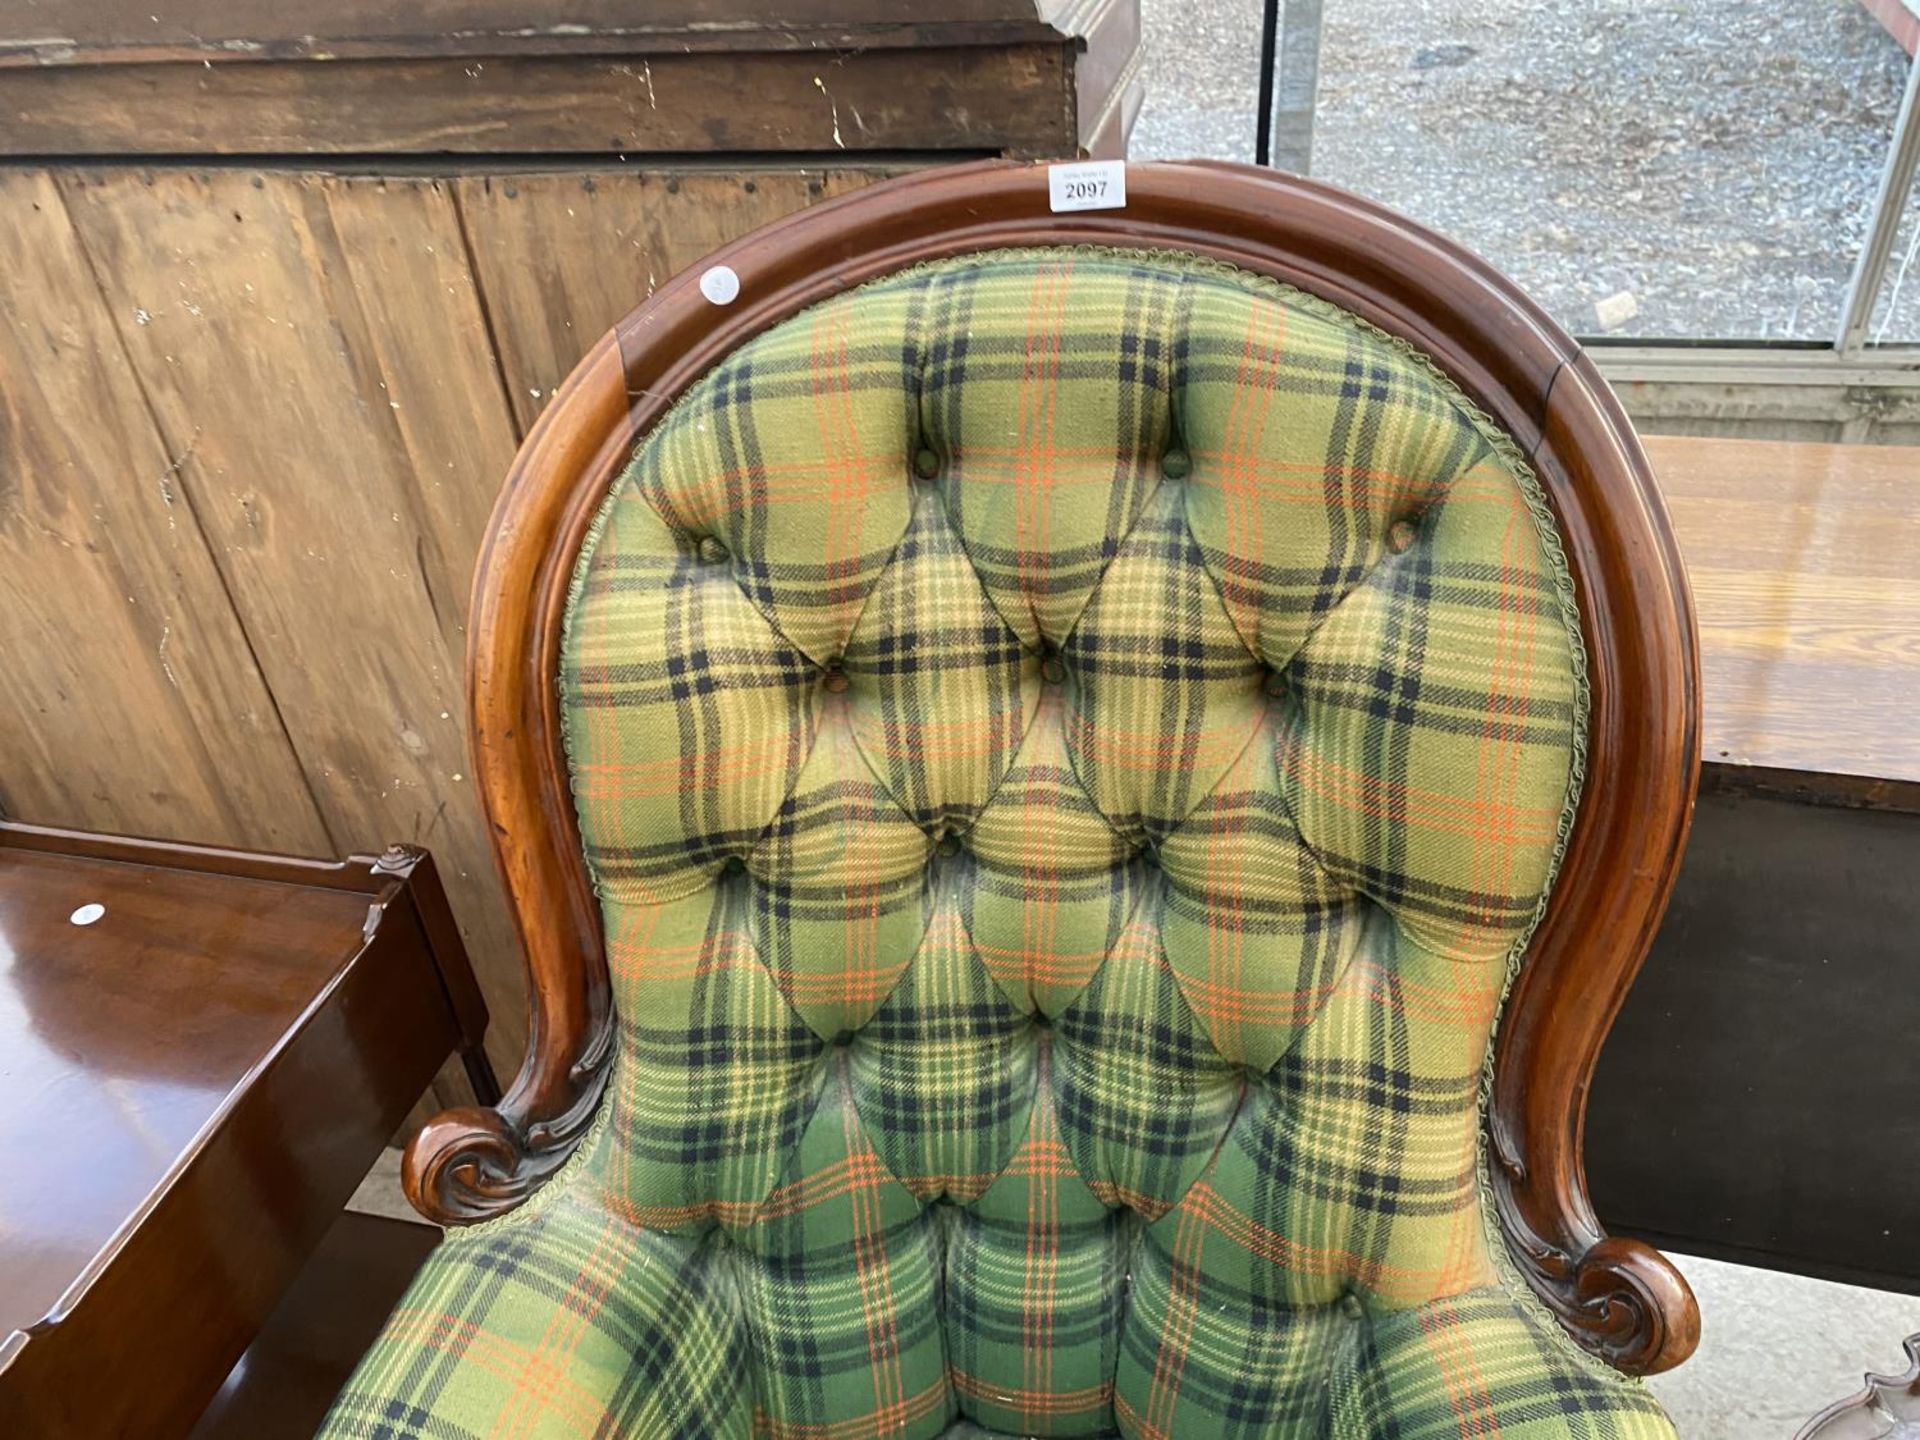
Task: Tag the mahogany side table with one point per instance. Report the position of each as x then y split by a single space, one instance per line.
201 1053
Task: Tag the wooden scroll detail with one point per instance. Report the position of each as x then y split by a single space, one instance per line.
473 1163
1618 1297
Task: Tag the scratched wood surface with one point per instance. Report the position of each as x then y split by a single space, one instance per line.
492 78
1805 564
561 257
343 471
130 696
985 99
210 27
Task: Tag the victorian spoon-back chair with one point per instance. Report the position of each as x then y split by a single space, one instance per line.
1029 750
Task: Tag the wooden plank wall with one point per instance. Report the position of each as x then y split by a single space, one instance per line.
252 423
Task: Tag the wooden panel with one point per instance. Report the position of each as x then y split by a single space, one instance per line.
561 257
981 99
320 341
1805 565
131 700
272 27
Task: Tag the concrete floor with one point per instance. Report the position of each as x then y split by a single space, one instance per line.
1775 1349
380 1193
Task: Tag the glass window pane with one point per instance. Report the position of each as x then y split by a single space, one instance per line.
1201 62
1643 170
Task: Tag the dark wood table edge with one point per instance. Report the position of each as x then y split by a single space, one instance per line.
382 878
1828 788
356 872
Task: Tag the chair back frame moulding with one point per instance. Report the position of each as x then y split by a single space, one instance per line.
1619 1297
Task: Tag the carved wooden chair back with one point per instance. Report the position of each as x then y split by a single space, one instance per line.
1515 369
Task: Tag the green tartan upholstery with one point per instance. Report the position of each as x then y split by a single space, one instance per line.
1070 745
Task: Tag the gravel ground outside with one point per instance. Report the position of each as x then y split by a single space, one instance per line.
1672 169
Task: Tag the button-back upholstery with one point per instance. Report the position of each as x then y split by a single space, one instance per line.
1069 745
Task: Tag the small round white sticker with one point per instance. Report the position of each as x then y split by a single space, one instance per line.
87 914
720 285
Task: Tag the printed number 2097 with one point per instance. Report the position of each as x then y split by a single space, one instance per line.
1087 185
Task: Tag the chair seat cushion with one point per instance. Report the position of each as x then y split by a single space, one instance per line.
1479 1364
1070 745
566 1323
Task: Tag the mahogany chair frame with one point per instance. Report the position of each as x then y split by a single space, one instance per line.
1619 1297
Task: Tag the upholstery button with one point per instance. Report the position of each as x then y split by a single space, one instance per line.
1401 535
1053 669
712 551
949 846
1276 683
835 675
1175 464
926 464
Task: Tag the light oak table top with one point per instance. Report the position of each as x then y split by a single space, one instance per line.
1805 565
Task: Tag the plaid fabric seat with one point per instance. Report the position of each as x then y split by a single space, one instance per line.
1070 745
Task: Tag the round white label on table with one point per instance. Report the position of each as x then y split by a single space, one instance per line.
87 914
720 284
